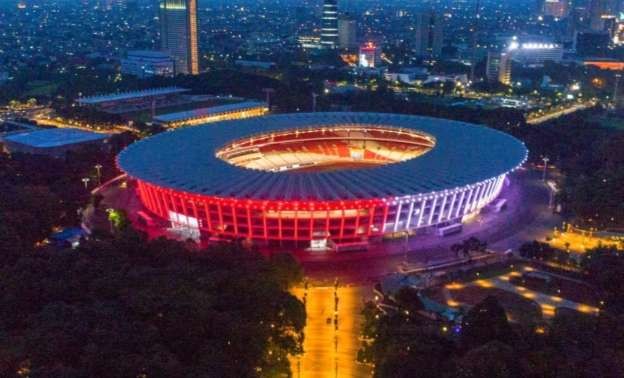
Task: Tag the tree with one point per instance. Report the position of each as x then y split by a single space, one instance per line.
493 360
126 306
118 219
537 250
605 269
467 246
408 299
286 270
485 322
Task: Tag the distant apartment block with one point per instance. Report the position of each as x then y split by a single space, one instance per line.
144 64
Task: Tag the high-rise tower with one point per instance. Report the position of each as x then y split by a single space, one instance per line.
600 11
556 8
329 24
347 32
429 34
178 34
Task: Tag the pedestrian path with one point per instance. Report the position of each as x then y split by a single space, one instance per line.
548 303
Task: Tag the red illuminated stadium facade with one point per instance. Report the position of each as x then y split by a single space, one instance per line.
321 179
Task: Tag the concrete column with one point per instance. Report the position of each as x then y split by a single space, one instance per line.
461 201
442 208
432 211
397 217
468 201
475 198
422 210
450 212
411 212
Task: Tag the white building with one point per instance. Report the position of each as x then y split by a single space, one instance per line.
329 24
498 68
535 52
147 63
369 56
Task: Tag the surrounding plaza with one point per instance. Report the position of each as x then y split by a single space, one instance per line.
311 188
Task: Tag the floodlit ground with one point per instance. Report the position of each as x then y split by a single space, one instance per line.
332 333
579 242
518 308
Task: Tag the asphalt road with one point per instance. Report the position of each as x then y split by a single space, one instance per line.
526 218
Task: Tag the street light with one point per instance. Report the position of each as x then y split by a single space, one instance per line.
85 181
98 168
268 92
406 247
545 159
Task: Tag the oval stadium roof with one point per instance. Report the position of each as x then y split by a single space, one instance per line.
185 160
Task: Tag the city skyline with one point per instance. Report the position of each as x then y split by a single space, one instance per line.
311 188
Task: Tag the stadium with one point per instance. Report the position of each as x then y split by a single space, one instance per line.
320 180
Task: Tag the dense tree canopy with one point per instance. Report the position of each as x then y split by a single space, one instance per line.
126 307
484 323
487 345
592 161
605 269
38 192
122 306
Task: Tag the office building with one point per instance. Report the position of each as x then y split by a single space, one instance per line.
535 52
592 44
600 11
347 33
369 56
577 21
429 34
329 24
309 42
144 64
555 8
492 66
504 68
498 68
178 34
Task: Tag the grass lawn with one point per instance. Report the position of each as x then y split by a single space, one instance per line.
519 309
484 272
40 88
566 289
614 123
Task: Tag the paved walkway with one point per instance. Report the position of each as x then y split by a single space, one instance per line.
332 332
548 303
